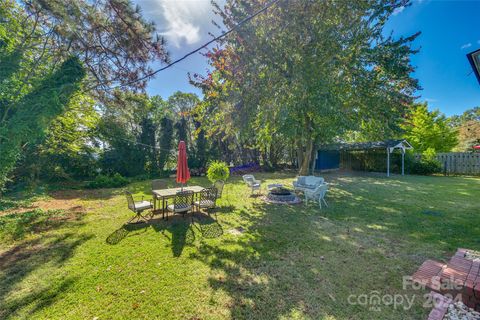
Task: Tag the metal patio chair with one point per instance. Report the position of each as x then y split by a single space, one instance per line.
182 203
207 199
137 207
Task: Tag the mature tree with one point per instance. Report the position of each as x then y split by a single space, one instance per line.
468 126
165 142
69 149
148 142
182 103
182 106
128 129
38 109
468 135
429 130
200 147
182 130
308 71
110 37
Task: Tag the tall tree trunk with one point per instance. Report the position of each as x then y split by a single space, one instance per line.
306 147
300 154
306 158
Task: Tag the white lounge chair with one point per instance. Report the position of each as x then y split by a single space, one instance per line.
317 195
253 183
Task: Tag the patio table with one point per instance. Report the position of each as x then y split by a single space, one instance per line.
164 194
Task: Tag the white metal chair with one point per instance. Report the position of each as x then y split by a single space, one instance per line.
219 184
317 195
252 182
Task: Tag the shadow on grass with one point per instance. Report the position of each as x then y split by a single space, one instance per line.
24 259
14 227
293 263
180 228
126 230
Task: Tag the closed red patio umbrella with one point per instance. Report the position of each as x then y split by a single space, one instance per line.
183 174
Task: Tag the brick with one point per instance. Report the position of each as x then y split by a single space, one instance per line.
468 288
449 273
471 277
469 304
476 264
476 291
440 307
436 314
461 262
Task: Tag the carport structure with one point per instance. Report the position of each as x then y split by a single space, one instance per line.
328 156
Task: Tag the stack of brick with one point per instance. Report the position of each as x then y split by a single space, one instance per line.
460 277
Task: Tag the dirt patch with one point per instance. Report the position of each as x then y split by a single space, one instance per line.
55 204
97 194
68 200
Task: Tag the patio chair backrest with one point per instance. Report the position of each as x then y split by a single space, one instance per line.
219 184
159 184
208 196
131 203
248 178
183 199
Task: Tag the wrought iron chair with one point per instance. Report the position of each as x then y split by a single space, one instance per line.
182 203
207 199
137 207
219 184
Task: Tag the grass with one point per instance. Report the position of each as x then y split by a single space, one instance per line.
286 262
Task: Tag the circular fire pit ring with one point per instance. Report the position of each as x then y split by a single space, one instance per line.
282 195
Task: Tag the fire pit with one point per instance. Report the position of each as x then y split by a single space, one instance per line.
281 195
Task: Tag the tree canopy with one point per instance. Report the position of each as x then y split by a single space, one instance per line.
52 50
426 129
306 72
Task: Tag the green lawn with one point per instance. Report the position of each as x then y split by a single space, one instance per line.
290 262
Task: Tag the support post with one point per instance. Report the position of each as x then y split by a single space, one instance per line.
388 162
403 161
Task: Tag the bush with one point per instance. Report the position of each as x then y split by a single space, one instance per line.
103 181
427 165
6 204
218 170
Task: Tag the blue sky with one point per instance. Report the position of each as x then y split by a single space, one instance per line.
450 29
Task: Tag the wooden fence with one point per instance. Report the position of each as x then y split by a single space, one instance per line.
459 162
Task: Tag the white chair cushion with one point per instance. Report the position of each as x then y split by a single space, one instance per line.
313 181
142 205
205 204
183 208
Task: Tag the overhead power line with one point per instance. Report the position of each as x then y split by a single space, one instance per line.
237 26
